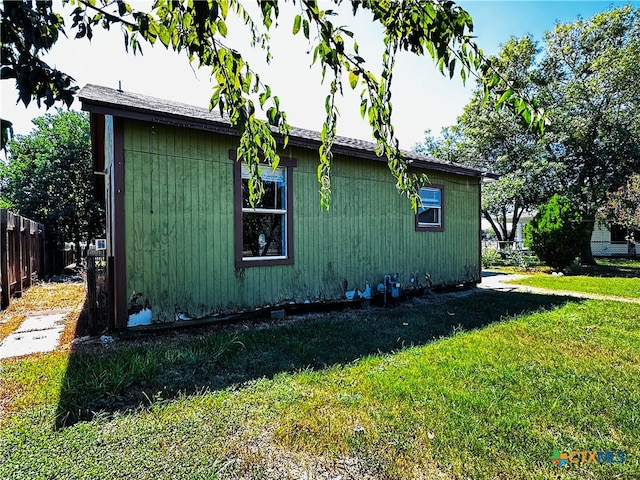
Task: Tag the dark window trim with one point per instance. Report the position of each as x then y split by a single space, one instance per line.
289 164
439 228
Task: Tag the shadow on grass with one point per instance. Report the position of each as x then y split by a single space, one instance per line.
134 372
609 269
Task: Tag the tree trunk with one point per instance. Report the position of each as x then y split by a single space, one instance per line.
631 244
494 225
77 237
586 256
517 213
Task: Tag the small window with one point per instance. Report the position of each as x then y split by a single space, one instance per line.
619 234
264 232
430 211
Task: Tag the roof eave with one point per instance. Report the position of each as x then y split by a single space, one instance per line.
139 112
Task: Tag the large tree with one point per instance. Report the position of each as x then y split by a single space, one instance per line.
590 90
198 30
49 178
496 141
585 77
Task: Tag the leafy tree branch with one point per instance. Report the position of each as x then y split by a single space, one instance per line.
199 30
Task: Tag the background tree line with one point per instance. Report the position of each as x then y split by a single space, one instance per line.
49 178
585 77
440 31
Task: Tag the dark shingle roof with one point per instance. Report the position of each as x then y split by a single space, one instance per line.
110 101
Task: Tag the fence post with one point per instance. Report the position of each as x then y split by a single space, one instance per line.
4 261
17 259
28 253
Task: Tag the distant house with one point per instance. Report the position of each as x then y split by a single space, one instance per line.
186 245
611 241
518 241
606 240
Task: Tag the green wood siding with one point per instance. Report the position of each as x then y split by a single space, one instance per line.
180 238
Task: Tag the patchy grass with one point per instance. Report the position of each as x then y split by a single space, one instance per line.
48 296
479 386
506 270
44 296
9 321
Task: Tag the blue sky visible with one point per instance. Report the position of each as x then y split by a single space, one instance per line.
422 98
497 21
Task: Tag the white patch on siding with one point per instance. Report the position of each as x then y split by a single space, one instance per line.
143 317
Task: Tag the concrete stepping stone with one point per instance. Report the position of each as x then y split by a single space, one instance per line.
37 334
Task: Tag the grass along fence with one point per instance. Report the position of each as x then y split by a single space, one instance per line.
25 257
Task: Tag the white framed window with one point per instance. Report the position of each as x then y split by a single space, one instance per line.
264 226
430 215
264 231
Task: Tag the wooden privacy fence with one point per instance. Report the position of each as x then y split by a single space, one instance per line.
21 254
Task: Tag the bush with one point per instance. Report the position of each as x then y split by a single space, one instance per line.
509 257
557 233
490 257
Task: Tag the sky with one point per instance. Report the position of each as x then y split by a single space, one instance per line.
423 99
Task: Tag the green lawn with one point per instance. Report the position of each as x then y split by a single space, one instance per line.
620 278
486 385
618 287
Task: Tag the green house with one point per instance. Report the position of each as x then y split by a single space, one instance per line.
186 245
